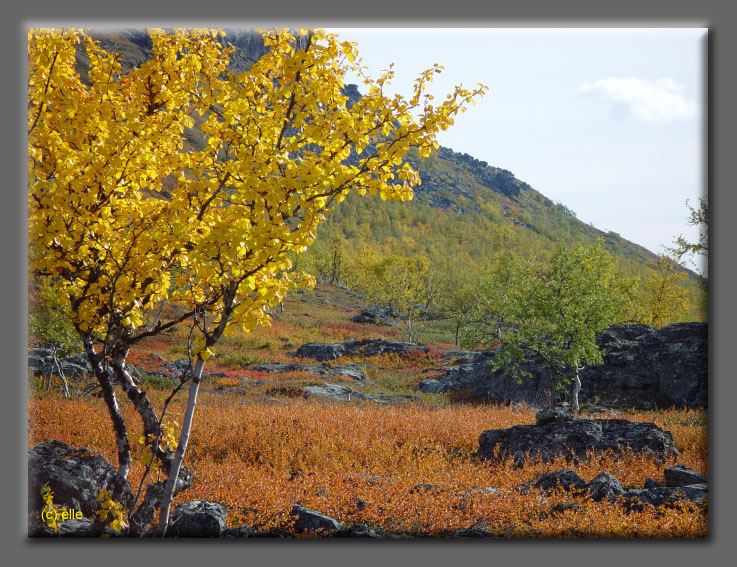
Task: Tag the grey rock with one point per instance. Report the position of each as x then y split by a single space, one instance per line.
604 486
347 370
433 386
198 518
642 367
558 413
363 347
321 351
574 439
75 476
179 367
565 479
385 316
357 531
238 532
344 394
76 528
665 495
681 475
651 483
308 520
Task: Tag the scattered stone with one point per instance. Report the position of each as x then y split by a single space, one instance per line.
321 351
179 367
363 347
565 479
198 518
681 475
665 496
604 486
385 316
238 532
651 483
347 370
307 520
357 531
340 393
575 439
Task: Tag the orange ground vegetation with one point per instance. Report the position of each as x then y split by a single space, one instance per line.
364 463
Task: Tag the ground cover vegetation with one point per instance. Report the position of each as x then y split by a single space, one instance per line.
259 446
173 226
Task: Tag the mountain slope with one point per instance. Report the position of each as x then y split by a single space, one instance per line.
463 210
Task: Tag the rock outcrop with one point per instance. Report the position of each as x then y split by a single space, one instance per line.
364 347
643 367
347 370
574 439
75 476
336 392
385 316
607 487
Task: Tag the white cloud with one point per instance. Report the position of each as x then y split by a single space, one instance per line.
648 101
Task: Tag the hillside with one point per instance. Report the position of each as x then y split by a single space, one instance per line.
464 210
357 439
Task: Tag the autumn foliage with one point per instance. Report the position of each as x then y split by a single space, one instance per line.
364 463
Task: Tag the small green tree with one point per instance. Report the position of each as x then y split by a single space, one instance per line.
698 217
401 284
496 285
49 325
559 309
459 297
664 299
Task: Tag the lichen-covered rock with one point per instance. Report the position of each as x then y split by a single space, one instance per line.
665 495
307 520
575 439
363 347
243 531
198 518
558 413
340 393
347 370
75 476
681 475
643 366
604 486
565 479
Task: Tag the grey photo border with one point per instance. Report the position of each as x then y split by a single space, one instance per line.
716 16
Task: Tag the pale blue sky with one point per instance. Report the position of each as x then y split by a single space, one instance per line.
610 122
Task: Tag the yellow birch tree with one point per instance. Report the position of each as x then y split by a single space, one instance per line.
275 164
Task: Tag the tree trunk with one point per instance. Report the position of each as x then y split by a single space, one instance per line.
575 389
458 328
121 433
181 448
176 464
138 397
64 387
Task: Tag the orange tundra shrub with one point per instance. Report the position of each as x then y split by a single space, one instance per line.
410 468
